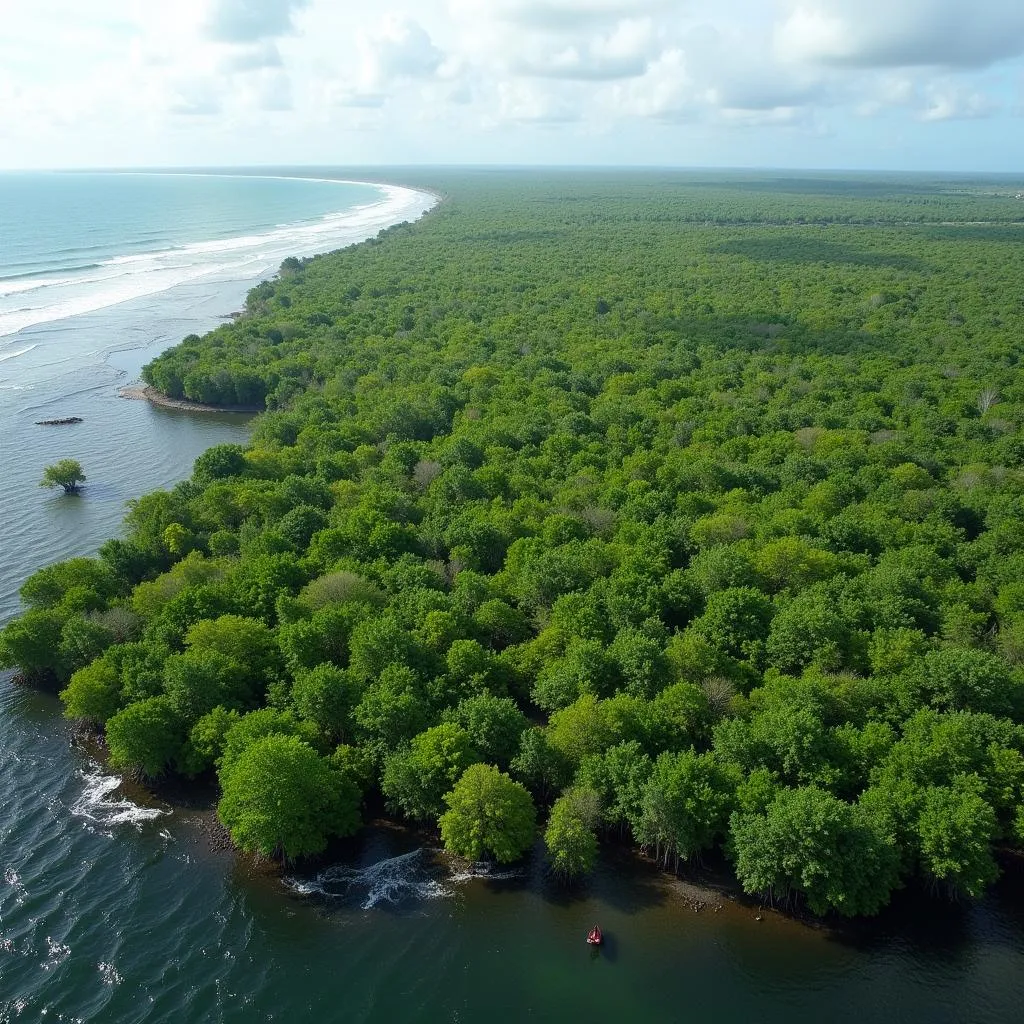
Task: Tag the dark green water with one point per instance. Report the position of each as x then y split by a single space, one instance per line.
110 913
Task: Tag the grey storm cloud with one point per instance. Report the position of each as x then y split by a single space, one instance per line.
249 21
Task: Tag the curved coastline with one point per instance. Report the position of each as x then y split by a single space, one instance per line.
139 390
242 254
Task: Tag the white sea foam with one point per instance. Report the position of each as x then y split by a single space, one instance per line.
122 278
96 805
109 974
483 870
13 879
407 877
16 287
56 953
395 880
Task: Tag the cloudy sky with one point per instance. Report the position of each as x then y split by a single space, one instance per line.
912 84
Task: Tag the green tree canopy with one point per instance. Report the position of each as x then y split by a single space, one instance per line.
811 844
489 815
685 804
93 693
146 737
416 779
732 527
281 799
569 838
66 473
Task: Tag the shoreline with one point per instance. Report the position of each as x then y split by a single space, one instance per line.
147 393
391 205
140 391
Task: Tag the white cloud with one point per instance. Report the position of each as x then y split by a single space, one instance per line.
525 103
253 58
485 74
560 15
665 92
248 21
625 51
269 90
343 95
956 102
400 48
902 33
195 98
396 51
929 99
777 117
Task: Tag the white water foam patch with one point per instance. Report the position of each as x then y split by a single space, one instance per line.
109 974
56 953
13 879
131 277
97 806
409 877
17 1007
485 871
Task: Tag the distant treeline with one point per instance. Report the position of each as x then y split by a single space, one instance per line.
684 509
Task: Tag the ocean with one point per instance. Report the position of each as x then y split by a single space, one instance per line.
98 274
75 243
115 908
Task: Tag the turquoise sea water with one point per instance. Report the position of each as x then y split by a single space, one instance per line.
77 243
113 906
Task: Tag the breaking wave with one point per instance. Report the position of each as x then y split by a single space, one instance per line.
13 879
56 953
59 295
485 871
109 973
409 877
95 803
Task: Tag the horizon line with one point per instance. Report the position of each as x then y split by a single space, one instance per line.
532 167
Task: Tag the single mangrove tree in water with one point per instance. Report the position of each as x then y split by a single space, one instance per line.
67 473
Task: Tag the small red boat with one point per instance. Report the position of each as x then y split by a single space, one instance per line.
594 937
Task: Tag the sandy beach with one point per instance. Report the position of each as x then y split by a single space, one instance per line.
146 393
